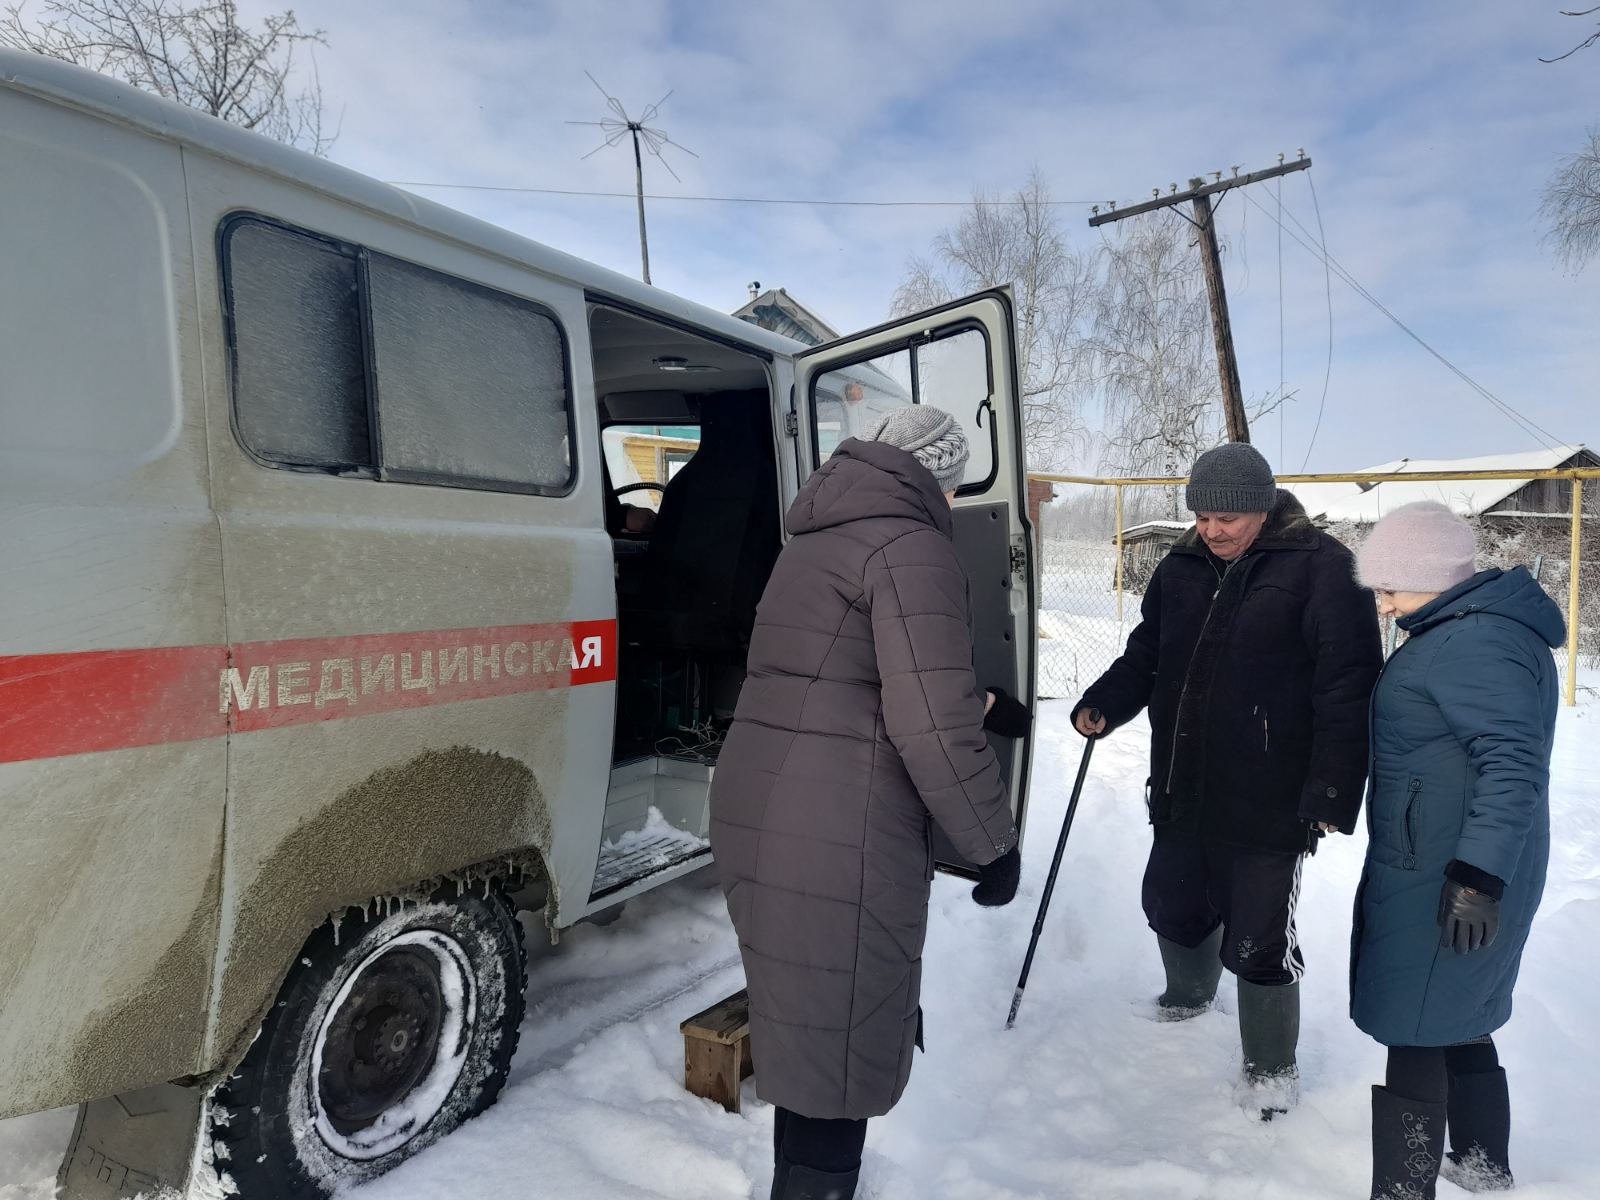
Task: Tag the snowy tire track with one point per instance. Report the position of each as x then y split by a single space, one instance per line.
537 1057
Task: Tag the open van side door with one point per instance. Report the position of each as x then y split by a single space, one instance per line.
960 357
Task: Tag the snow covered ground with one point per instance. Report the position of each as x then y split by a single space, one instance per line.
1086 1098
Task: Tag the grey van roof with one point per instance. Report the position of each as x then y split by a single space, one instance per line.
125 104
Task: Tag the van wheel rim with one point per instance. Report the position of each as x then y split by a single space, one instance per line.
392 1044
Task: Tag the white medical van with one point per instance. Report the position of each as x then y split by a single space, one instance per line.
325 640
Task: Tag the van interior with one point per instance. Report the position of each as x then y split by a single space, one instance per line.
694 513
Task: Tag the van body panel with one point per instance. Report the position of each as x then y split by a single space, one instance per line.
110 867
415 580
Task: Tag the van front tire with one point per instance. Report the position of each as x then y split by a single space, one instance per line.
389 1032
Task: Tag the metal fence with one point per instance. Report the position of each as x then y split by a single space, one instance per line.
1100 538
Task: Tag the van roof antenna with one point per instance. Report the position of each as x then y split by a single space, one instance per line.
616 126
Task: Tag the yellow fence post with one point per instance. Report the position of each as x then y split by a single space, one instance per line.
1119 553
1573 588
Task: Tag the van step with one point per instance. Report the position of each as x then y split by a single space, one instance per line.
635 857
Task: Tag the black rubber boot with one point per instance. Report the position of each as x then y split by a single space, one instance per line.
1407 1137
1480 1133
1269 1030
807 1183
1192 975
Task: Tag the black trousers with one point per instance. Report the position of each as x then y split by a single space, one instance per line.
1192 885
1423 1072
820 1143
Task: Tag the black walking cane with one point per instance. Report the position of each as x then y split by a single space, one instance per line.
1050 883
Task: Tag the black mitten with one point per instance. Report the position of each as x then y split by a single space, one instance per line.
997 881
1008 716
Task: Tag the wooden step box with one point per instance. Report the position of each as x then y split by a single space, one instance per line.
716 1050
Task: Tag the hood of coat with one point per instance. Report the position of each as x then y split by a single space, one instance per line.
1287 528
1513 594
868 480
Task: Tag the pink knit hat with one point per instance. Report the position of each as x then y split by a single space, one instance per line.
1422 547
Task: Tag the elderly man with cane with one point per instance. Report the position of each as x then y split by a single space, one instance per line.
1256 655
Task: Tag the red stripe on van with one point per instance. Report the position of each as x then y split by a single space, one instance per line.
52 705
56 704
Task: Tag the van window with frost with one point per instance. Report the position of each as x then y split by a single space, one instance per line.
471 383
299 371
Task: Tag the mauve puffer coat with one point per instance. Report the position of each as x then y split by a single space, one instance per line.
860 718
1462 726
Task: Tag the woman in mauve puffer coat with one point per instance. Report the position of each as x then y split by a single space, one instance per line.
860 721
1463 720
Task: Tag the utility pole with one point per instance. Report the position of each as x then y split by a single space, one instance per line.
1204 220
1221 329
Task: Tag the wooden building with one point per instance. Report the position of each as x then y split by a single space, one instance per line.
1143 547
1491 500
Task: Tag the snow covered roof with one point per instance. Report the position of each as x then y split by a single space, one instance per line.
780 312
1366 502
1146 528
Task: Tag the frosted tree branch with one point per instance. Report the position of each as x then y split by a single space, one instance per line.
198 54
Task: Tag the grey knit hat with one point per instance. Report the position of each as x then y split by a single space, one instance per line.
1233 478
932 437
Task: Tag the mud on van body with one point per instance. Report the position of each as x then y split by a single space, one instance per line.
326 636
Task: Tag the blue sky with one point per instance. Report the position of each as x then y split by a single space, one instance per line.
1432 128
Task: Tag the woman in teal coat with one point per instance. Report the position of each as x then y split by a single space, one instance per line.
1462 724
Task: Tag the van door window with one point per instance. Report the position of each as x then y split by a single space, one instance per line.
849 403
471 383
643 459
950 372
299 371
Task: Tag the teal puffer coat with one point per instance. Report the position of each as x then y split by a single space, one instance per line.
1463 720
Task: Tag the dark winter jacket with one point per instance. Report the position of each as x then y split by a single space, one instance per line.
1462 725
859 719
1257 674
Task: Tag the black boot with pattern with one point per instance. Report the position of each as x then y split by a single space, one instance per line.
1407 1139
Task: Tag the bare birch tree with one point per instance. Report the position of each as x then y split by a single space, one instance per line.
1571 206
1017 240
198 54
1154 359
1571 203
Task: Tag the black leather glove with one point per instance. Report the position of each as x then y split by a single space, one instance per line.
1008 716
997 882
1468 918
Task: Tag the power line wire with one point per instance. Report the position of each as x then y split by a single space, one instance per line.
486 187
1525 423
1327 288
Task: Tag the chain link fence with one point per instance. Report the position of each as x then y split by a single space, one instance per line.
1088 606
